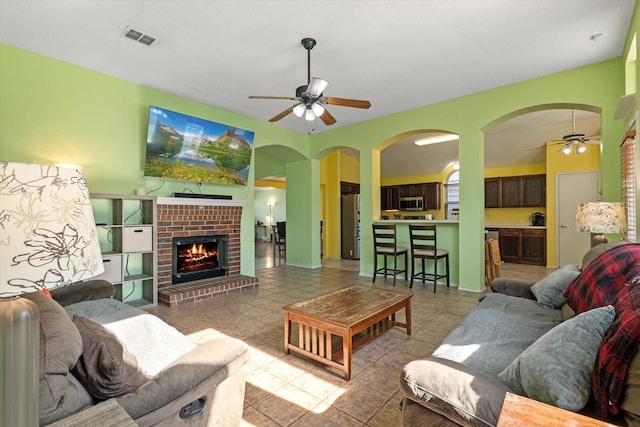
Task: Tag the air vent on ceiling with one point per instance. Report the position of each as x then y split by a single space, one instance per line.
138 36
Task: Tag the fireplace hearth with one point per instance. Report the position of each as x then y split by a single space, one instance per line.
198 257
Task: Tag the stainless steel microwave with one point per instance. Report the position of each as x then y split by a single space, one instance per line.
412 203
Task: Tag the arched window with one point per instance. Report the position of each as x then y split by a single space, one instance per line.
452 194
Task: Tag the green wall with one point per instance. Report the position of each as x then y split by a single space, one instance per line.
54 112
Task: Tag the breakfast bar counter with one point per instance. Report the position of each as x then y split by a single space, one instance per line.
447 232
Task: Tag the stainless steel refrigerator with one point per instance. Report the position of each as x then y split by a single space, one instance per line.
350 225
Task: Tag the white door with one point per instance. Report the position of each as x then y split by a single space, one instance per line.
573 188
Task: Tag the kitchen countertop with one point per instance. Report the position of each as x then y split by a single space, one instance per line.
513 225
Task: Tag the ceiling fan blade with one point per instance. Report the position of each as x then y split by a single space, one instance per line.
272 97
327 118
316 86
344 102
285 113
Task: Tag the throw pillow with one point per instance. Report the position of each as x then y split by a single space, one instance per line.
549 290
557 368
60 348
106 368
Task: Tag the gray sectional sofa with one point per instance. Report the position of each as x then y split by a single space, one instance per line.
521 338
94 348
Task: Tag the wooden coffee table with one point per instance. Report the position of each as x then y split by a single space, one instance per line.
356 314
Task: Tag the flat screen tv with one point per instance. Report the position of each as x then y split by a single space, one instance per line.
192 149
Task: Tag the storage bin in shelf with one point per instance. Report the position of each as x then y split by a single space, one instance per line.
112 268
137 238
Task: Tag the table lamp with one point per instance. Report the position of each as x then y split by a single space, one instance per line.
48 239
601 217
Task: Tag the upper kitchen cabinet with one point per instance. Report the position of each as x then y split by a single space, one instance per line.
511 192
430 191
534 190
492 193
515 191
349 188
432 195
389 197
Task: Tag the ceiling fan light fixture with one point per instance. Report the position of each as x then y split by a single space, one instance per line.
299 110
566 150
581 148
318 109
309 115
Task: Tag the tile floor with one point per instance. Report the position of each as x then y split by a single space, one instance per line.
285 390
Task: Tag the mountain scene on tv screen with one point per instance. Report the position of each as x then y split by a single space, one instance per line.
191 149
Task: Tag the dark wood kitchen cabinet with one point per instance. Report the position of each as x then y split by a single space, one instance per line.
534 190
509 240
515 191
492 193
534 246
511 192
523 245
389 198
349 188
432 191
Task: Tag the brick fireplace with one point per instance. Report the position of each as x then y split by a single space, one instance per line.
184 218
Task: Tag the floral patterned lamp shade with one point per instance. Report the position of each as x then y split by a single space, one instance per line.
48 236
601 217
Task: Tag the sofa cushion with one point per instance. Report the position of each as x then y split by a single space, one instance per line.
514 287
460 393
496 331
549 291
83 291
60 348
557 368
106 368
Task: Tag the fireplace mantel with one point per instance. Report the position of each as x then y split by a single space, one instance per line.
188 201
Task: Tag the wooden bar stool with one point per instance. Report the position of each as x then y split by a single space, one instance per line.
424 246
385 244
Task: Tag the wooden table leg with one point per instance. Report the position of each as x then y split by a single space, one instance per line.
287 332
407 314
347 348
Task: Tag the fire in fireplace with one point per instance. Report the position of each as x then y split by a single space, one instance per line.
198 257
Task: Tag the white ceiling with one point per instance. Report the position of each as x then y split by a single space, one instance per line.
397 54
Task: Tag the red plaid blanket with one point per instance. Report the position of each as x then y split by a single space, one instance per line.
611 279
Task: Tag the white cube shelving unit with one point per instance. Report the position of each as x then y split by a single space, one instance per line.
127 231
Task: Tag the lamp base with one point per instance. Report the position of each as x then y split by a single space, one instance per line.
20 355
597 239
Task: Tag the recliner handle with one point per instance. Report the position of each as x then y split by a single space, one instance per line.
193 408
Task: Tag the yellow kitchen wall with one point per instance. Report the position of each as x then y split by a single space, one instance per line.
330 177
349 169
557 162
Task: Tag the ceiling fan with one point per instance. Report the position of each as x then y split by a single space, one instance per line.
311 100
574 140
